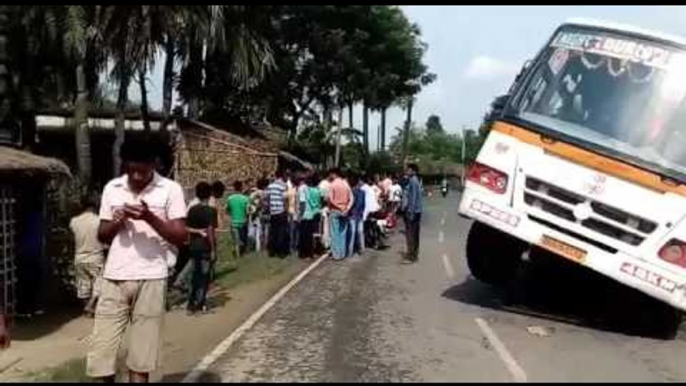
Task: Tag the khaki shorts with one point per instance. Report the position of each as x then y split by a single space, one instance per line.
88 276
138 304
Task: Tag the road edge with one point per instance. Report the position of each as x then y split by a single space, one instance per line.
226 344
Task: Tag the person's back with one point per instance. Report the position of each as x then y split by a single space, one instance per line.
386 184
87 247
278 243
371 202
324 188
237 206
215 201
313 202
291 200
340 195
276 195
88 255
396 193
359 198
200 216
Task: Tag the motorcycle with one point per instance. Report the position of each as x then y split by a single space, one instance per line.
444 191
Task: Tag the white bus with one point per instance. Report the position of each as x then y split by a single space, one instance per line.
588 161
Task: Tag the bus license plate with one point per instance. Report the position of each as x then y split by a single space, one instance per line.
561 248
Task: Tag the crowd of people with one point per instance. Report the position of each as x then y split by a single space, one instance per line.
300 212
148 230
305 213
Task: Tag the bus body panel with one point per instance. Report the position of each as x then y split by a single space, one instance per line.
619 225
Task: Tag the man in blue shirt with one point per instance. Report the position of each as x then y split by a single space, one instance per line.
356 229
412 209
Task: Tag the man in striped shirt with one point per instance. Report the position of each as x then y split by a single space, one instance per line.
278 243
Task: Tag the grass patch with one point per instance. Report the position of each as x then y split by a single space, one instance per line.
73 370
231 271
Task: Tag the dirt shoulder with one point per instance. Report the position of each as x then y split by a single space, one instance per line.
183 349
243 286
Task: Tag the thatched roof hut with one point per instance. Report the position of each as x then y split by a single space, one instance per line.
13 161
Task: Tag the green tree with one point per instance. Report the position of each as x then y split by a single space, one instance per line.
237 56
82 41
434 126
57 59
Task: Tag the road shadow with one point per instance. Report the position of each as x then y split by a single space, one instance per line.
205 377
60 309
573 295
217 297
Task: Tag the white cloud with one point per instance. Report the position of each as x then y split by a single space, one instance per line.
485 67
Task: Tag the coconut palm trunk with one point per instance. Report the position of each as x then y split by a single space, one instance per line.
168 81
365 128
383 129
144 101
83 142
406 133
119 122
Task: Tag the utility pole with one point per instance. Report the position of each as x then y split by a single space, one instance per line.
338 137
406 132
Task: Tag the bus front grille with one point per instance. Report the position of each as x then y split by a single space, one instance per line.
606 220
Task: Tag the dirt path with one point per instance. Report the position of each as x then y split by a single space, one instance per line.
187 338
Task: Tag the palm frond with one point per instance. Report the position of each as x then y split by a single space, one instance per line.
76 32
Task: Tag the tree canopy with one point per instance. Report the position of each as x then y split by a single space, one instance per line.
288 65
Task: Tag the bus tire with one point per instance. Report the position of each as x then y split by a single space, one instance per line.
493 256
666 321
651 317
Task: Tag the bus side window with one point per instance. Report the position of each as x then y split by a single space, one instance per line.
534 94
672 144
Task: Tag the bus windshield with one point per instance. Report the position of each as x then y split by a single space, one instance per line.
614 92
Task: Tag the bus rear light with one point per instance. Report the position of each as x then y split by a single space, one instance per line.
674 252
487 177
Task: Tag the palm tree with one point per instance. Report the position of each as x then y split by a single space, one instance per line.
80 40
406 130
177 18
60 46
119 29
220 32
133 35
75 42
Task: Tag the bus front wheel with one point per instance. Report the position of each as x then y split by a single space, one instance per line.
493 256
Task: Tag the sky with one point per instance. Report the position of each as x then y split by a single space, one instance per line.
476 51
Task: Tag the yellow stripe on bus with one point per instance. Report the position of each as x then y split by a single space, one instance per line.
591 160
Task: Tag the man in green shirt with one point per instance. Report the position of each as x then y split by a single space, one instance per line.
237 207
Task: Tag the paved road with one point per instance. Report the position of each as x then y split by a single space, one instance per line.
372 319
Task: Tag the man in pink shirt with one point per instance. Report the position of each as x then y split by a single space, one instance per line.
340 200
142 219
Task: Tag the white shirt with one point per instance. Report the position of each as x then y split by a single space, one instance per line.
371 204
138 252
396 193
377 191
88 248
324 187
